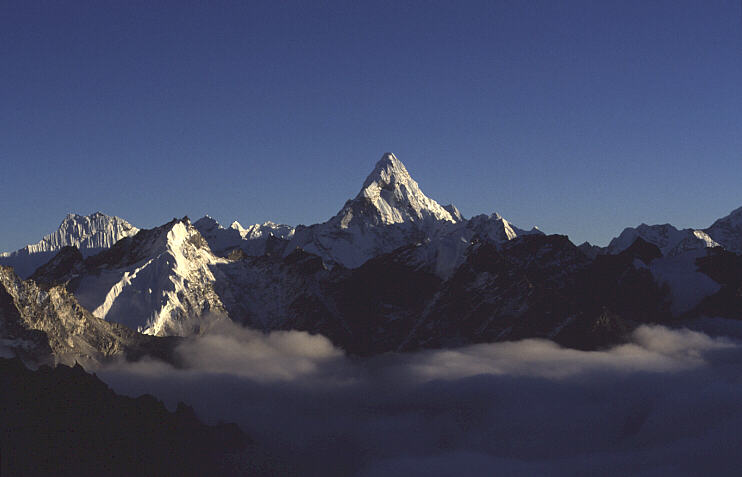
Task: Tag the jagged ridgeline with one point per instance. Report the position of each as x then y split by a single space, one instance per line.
393 270
91 234
45 324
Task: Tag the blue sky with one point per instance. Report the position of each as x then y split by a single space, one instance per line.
580 117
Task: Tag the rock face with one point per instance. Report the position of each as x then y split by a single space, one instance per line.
533 286
63 265
727 231
47 325
519 289
725 268
63 421
90 234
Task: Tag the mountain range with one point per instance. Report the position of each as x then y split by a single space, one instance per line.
393 270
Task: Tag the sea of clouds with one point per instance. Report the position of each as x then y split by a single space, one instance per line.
667 403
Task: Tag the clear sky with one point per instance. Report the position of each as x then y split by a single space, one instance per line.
581 117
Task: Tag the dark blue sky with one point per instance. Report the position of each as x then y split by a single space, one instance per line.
581 117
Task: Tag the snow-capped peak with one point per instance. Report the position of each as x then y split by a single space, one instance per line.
389 212
391 196
259 231
95 231
667 238
159 281
388 170
90 234
496 229
147 243
252 240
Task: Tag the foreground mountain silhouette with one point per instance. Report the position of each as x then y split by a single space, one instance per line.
394 270
63 421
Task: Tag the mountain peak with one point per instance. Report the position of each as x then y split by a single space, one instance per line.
90 234
670 240
388 170
94 215
389 212
391 196
207 223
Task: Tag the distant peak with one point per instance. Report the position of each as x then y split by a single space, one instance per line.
388 170
206 219
390 196
95 215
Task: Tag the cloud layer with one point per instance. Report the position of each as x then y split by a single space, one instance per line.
669 401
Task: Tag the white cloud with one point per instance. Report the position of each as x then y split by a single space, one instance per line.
277 356
668 401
